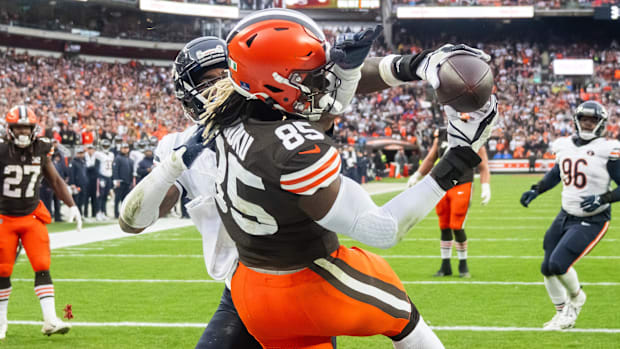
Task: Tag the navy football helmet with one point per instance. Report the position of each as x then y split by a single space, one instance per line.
590 109
105 144
191 68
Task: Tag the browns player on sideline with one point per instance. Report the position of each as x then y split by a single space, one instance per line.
25 160
452 209
280 195
200 64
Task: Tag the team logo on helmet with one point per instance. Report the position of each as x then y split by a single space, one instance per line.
191 73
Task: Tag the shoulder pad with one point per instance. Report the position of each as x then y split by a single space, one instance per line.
310 169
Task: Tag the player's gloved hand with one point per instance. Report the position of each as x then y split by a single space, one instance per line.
348 54
428 69
485 195
591 202
471 129
414 179
190 150
74 214
528 196
350 49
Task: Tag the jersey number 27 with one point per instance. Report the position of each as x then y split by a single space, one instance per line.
13 176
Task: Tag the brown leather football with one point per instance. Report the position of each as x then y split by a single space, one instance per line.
465 83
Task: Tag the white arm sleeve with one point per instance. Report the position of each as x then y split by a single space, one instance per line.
355 214
140 208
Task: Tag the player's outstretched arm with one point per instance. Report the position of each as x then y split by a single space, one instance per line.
592 202
346 208
59 187
550 180
157 193
379 73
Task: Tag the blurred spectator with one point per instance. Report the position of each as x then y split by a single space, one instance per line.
146 164
92 169
78 179
122 177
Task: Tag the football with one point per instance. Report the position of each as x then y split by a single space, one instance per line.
466 83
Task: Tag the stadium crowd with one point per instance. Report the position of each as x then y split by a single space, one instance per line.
81 103
543 4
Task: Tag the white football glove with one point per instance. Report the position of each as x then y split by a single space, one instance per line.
471 129
428 69
342 83
485 195
74 214
414 179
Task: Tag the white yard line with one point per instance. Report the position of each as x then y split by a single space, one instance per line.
116 324
202 325
109 232
393 256
480 239
519 329
454 282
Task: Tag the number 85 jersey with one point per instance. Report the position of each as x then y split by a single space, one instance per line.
583 170
263 169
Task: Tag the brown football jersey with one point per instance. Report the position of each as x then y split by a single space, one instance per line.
264 168
21 172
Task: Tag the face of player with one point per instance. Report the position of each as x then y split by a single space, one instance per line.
22 130
588 123
22 134
210 77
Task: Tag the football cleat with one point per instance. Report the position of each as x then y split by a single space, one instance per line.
554 323
578 301
3 326
463 269
445 270
568 317
55 326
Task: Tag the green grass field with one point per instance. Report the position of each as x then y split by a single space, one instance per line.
147 279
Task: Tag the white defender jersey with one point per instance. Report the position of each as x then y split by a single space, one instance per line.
136 156
583 170
220 252
106 159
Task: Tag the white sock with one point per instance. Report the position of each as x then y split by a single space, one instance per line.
571 282
446 249
46 298
556 291
461 249
4 303
422 337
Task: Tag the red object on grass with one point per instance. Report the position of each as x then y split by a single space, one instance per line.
68 312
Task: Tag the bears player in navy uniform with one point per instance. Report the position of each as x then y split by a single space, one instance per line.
585 164
280 195
25 160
